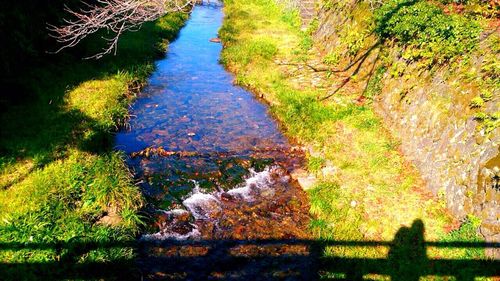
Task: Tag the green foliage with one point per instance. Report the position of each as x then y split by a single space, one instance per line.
313 26
69 192
335 219
489 121
397 69
227 34
291 17
374 86
61 205
306 43
468 232
59 175
168 26
328 5
353 38
332 58
486 95
424 26
491 66
477 102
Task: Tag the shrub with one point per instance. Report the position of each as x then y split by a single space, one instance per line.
374 86
437 36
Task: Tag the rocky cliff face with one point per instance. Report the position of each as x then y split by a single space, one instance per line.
306 8
458 162
307 11
430 112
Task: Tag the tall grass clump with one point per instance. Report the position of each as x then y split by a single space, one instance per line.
65 194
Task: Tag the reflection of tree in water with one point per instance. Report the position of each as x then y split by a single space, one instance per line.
408 256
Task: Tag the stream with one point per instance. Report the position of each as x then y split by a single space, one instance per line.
215 170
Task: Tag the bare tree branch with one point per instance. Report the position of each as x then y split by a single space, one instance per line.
356 70
332 70
114 16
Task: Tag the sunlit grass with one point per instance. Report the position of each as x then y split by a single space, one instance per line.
59 175
374 191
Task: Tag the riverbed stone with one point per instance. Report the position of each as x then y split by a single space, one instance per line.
305 179
111 219
307 182
329 171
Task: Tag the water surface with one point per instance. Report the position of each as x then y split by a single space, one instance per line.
191 103
212 162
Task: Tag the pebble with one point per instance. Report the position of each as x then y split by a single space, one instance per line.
307 182
329 171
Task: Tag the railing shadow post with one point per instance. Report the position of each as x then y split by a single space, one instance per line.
304 259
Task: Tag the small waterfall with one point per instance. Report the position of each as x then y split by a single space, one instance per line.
178 223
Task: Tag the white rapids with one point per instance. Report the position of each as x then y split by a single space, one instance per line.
207 206
257 183
202 205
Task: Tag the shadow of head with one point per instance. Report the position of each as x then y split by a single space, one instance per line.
246 259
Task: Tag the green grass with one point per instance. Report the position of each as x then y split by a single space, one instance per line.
418 38
376 194
61 182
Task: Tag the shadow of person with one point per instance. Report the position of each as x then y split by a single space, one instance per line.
407 256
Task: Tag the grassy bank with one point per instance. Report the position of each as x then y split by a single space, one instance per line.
62 186
367 191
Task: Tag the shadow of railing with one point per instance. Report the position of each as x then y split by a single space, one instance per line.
291 259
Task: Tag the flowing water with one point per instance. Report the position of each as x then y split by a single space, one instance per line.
214 167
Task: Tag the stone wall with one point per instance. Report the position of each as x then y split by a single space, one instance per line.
430 114
456 160
307 11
